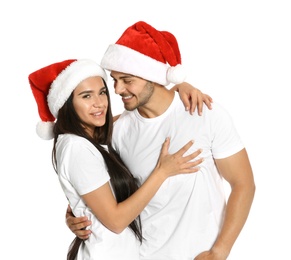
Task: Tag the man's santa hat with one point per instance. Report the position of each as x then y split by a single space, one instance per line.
53 85
148 53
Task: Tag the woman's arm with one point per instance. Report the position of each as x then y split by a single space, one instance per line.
192 97
116 117
117 216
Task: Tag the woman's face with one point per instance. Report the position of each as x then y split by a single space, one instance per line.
90 101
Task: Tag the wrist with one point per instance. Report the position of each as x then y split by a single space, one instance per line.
221 251
175 88
160 175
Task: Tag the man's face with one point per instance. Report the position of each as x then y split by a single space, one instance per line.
135 91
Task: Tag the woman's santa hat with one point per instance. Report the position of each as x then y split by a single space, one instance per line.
53 85
148 53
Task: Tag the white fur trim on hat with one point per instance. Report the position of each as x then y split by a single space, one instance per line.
45 130
67 81
123 59
176 74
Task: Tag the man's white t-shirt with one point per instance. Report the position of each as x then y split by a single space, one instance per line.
81 169
184 217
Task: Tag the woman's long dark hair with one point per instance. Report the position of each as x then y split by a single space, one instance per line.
122 181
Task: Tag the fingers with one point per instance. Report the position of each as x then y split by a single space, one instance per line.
192 155
187 163
186 101
190 100
192 166
78 226
194 99
199 104
198 99
165 146
77 223
185 148
207 100
69 210
83 234
177 163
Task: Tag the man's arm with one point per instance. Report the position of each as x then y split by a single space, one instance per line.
237 171
78 225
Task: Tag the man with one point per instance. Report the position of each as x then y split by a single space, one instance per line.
188 218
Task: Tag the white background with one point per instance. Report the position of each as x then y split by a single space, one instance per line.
236 51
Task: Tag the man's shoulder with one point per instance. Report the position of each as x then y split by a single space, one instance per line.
123 120
125 115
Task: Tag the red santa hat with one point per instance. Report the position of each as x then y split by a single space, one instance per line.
148 53
53 85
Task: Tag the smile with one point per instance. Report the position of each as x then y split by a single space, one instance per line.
127 97
97 114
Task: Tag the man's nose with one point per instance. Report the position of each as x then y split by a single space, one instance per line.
119 88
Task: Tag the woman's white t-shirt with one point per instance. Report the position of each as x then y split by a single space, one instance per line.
81 169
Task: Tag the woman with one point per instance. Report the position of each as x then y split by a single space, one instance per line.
74 105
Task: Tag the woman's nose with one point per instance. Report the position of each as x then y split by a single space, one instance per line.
98 102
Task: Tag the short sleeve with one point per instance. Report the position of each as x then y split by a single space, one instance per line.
225 138
83 166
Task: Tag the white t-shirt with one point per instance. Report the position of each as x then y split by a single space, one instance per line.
81 169
184 217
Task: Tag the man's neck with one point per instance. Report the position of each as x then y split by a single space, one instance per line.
158 103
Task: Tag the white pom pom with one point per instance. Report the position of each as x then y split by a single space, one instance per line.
45 130
176 74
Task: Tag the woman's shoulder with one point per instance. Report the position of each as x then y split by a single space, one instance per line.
74 142
71 138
